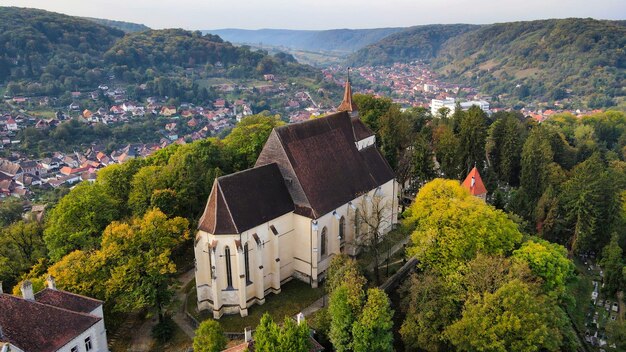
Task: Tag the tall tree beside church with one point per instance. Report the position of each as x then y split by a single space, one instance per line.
209 337
342 319
394 133
372 331
371 109
504 148
423 167
141 269
472 136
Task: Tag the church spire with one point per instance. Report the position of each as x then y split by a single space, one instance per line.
347 104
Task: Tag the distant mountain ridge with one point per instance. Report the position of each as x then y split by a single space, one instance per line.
344 40
552 59
127 27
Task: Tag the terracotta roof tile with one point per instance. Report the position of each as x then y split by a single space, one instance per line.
477 187
67 300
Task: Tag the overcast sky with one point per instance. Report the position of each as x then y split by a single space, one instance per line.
324 14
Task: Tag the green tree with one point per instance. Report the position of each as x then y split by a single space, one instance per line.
537 154
116 180
422 165
248 137
549 262
371 109
514 318
446 145
10 211
266 335
21 246
452 227
585 203
342 319
431 304
504 148
78 220
472 136
209 337
293 337
612 263
372 331
141 269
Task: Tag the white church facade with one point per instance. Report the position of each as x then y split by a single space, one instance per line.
289 215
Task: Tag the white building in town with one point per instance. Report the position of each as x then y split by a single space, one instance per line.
289 215
450 103
51 321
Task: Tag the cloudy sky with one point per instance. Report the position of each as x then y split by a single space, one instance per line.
324 14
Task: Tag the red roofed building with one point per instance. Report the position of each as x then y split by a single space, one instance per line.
51 321
474 184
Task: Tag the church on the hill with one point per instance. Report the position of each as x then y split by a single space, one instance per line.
287 216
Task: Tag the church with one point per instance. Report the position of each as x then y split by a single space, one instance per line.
301 204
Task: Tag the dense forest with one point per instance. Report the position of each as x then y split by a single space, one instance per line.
548 59
50 54
415 43
127 27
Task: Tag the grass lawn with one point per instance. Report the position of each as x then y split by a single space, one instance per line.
45 114
295 296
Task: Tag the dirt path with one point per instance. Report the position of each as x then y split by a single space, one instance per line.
179 318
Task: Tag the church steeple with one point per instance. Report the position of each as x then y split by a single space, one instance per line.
347 104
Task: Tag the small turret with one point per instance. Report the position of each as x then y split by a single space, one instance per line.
347 104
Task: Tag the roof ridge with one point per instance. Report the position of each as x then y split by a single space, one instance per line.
51 306
69 293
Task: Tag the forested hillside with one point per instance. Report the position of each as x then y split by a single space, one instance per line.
582 59
345 40
56 51
46 53
550 58
127 27
420 42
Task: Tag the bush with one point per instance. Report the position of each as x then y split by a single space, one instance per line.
164 330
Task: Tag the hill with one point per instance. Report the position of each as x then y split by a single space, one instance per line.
415 43
341 40
56 50
548 59
126 27
171 49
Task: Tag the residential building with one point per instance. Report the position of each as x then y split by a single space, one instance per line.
450 103
51 321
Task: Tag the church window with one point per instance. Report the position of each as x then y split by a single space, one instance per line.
274 231
324 242
229 271
247 263
342 229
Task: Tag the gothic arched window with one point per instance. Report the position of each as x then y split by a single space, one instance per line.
342 229
229 271
324 242
247 262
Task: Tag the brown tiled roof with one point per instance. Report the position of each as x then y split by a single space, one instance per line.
314 346
246 199
67 300
36 327
378 166
322 162
360 130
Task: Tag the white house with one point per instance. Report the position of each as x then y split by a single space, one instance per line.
290 214
450 103
51 321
